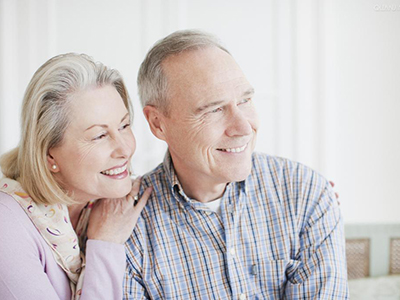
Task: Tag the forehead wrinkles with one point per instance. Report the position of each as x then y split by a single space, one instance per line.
198 77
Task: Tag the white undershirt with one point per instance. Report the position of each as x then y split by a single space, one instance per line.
214 205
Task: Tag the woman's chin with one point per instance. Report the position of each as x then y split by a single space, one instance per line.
122 190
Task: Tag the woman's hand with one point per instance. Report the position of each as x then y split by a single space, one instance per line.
112 220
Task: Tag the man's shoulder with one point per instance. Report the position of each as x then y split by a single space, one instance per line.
294 184
161 196
157 171
284 170
266 161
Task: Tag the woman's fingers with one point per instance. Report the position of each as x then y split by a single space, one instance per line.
333 185
143 200
113 220
136 186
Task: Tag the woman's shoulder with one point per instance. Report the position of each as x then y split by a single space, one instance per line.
25 255
9 206
11 210
14 222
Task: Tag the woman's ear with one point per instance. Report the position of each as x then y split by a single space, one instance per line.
51 163
155 119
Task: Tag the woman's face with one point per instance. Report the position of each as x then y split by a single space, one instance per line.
98 144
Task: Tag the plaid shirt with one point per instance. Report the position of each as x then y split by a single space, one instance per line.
280 236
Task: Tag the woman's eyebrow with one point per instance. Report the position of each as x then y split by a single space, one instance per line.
104 125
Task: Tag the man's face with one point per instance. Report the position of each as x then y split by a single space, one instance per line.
212 125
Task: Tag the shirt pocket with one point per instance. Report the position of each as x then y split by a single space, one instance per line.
271 277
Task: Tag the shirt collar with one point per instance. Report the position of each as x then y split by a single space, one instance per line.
176 187
172 178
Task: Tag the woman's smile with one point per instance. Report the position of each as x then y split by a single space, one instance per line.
117 172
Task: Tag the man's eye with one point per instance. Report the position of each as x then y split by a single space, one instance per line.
244 101
216 110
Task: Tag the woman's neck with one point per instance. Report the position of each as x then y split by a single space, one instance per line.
74 211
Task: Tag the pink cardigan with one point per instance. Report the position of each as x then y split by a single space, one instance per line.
28 269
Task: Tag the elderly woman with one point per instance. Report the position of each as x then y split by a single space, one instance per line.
76 145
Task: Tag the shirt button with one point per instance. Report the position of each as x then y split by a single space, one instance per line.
242 297
232 251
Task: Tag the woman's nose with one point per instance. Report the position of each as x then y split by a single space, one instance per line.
124 146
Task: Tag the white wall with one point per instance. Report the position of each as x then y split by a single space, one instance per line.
325 72
368 109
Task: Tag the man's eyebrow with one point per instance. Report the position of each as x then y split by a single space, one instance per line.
249 92
104 125
202 108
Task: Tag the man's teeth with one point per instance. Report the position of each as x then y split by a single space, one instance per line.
115 171
235 150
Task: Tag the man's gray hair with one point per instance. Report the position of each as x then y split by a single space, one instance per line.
152 82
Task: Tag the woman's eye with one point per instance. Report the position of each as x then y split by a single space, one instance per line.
125 126
101 136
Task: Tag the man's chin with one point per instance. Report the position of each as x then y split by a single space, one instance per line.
240 174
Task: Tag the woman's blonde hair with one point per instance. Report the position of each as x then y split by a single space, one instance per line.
45 117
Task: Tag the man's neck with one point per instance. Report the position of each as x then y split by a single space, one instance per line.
201 188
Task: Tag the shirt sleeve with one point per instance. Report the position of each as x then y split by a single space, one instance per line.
133 285
22 275
322 272
134 288
104 272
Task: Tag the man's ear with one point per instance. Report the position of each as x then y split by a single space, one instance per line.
155 119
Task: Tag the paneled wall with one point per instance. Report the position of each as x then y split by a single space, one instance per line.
304 58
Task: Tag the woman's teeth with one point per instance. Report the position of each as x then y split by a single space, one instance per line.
115 171
236 150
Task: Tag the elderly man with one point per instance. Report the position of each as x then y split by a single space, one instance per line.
225 222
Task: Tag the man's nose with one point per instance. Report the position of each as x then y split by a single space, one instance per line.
238 123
